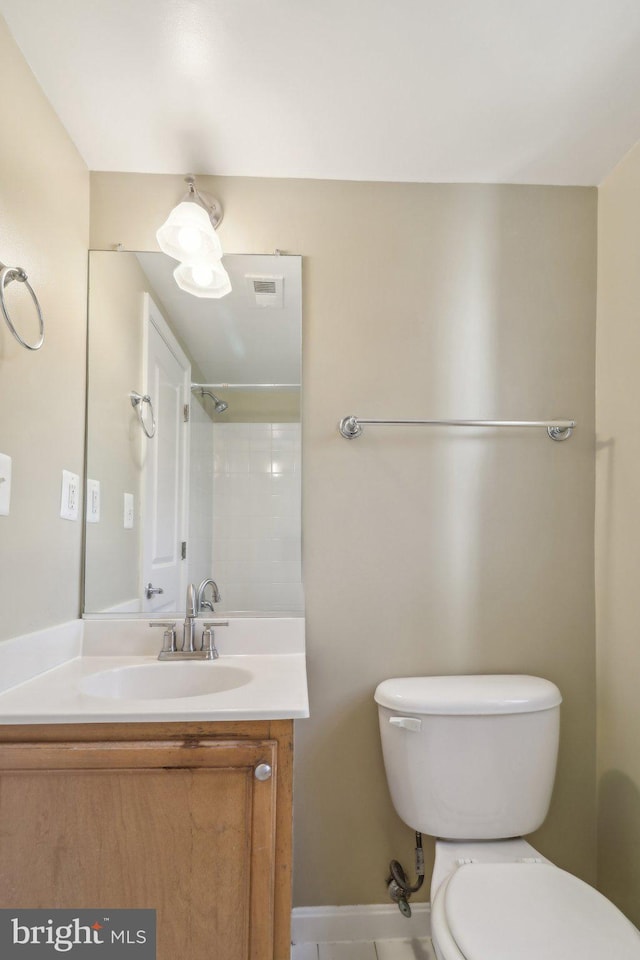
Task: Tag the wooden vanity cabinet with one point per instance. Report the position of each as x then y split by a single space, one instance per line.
163 816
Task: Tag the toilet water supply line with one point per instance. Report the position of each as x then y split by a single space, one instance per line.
399 887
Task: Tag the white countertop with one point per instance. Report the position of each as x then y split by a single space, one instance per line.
272 656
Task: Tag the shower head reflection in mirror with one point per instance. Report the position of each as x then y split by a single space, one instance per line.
219 405
217 491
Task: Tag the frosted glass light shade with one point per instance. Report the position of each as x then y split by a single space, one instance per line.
188 235
203 280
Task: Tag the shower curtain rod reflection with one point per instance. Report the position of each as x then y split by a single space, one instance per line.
351 427
246 386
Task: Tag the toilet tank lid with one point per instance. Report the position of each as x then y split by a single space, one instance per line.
468 695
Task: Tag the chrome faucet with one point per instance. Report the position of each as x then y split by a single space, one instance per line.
188 630
187 651
201 603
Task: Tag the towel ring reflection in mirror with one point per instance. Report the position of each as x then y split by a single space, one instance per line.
7 275
137 401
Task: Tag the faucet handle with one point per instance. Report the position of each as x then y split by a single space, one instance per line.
169 637
208 646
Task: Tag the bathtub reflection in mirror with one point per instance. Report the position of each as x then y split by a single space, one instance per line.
193 437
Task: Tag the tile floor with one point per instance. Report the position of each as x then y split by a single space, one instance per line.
365 950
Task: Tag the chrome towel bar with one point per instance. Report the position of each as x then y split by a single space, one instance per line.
351 427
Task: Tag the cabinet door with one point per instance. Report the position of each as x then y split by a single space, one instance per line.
183 828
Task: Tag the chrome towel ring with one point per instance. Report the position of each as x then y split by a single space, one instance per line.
7 275
137 400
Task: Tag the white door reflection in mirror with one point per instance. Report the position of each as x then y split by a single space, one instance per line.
164 507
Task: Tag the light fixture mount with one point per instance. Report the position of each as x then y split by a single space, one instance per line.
205 200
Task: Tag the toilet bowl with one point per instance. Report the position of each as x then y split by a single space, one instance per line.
472 759
502 901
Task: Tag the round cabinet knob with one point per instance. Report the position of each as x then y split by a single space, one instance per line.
263 771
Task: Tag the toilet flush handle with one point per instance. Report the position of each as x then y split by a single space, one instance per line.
408 723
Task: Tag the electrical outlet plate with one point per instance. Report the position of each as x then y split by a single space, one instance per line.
128 511
5 484
93 501
70 499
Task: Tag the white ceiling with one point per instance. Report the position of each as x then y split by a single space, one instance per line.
503 91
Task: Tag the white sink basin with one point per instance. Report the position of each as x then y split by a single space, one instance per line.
164 681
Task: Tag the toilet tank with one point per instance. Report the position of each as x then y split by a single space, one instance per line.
472 757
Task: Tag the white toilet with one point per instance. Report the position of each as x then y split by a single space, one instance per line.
471 761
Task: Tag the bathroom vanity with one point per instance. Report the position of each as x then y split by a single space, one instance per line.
165 816
116 802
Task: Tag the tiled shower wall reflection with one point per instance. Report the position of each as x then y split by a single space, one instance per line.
256 516
200 495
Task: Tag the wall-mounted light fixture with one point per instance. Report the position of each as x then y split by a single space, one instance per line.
189 235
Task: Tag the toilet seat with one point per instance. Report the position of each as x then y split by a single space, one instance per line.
500 911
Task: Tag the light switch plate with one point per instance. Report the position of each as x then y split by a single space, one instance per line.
128 511
5 484
93 501
70 499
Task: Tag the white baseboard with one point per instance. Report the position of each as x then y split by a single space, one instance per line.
370 921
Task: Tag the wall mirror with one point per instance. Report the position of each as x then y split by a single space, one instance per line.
193 437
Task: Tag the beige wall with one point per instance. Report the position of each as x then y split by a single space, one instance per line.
425 550
618 535
44 227
261 406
